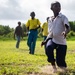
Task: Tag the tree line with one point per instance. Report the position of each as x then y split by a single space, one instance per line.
6 31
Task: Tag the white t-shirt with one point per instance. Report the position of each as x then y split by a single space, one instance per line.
57 26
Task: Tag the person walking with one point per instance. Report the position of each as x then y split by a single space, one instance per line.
19 33
32 25
45 30
58 28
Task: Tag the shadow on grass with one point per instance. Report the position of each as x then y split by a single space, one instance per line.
23 50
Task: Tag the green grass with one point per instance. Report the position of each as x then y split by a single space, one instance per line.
19 62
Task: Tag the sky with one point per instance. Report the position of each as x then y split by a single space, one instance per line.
12 11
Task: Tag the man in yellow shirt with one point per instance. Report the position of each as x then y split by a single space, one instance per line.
32 24
45 29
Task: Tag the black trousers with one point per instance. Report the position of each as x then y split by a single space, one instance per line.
60 53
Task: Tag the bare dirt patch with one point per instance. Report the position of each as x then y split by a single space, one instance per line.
47 70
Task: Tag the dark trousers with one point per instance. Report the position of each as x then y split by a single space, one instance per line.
60 53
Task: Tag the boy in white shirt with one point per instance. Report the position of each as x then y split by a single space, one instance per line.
59 28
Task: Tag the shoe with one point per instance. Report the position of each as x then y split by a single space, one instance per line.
29 52
17 47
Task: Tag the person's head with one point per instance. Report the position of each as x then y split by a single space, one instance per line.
56 7
47 19
19 23
32 14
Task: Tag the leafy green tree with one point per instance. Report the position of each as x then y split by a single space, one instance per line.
72 25
24 29
4 30
7 29
1 30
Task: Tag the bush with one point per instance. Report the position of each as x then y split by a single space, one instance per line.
70 34
10 35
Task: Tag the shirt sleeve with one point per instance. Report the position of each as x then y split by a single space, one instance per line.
38 22
49 26
66 21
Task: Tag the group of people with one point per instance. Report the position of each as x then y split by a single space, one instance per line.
54 30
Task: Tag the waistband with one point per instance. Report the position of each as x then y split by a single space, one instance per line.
33 30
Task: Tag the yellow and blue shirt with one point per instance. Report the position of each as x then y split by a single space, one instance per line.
33 23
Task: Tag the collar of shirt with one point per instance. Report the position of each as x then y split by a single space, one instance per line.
52 17
60 15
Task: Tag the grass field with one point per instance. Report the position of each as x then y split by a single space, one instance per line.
19 62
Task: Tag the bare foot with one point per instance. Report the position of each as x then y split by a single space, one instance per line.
54 69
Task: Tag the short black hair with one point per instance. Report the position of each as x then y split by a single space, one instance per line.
32 13
56 2
19 23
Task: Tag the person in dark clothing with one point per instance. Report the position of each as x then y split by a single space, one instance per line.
19 33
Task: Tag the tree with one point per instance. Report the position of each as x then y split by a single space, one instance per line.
1 30
72 25
24 29
4 30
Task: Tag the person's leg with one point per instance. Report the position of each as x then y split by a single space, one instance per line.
50 46
60 55
35 33
29 41
45 44
18 41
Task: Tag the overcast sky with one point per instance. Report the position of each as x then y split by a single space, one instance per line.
12 11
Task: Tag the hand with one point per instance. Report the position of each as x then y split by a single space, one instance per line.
64 34
43 43
27 34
